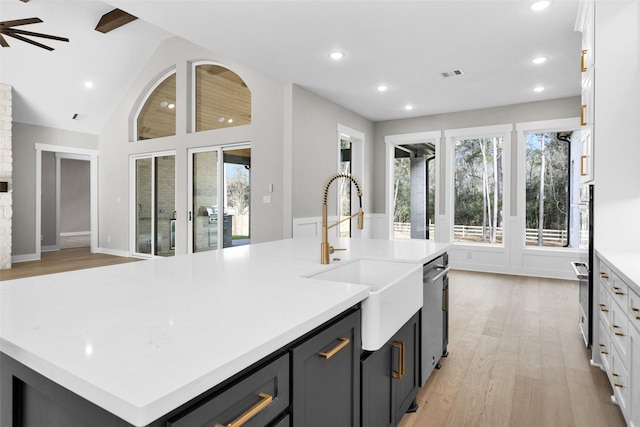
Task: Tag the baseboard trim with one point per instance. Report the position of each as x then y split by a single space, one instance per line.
75 233
24 258
115 252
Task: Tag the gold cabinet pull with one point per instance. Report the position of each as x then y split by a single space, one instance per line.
634 312
583 121
265 400
603 308
615 377
583 66
399 373
583 165
616 290
329 354
620 334
604 275
601 349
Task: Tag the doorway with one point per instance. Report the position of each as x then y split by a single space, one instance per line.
219 197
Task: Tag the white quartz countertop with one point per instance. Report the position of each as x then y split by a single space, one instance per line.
625 263
141 339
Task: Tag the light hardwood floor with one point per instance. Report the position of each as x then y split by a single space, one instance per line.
60 261
516 358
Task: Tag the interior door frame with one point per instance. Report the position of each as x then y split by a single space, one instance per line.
80 154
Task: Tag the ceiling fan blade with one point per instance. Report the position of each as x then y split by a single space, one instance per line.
24 1
26 40
17 22
3 42
32 34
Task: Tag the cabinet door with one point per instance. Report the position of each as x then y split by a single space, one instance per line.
326 376
377 387
405 342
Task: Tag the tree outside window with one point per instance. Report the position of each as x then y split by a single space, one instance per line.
478 176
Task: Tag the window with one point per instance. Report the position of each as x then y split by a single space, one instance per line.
157 118
344 206
478 199
548 188
222 98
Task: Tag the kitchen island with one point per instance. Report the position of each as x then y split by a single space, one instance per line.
141 339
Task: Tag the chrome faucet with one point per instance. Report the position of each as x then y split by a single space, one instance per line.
325 248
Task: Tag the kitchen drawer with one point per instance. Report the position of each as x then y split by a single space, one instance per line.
604 346
619 291
605 274
604 307
620 331
258 399
619 377
634 309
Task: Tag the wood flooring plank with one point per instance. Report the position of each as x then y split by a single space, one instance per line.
526 402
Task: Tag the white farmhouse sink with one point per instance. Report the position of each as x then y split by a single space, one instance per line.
395 296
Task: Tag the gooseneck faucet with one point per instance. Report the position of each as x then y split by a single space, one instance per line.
325 248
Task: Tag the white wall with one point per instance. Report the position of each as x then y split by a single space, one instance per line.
616 145
265 133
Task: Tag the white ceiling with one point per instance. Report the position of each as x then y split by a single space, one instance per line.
404 44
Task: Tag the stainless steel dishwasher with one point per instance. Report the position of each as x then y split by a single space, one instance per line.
434 316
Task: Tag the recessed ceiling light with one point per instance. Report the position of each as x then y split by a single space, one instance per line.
540 5
172 106
88 84
230 121
382 88
539 60
336 55
408 107
538 88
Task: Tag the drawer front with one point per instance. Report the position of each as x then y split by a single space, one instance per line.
634 309
604 346
619 291
620 331
619 377
605 274
605 304
255 401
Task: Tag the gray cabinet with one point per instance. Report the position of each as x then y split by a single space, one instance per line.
326 376
390 378
255 401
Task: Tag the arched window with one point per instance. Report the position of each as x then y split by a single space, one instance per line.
157 118
222 98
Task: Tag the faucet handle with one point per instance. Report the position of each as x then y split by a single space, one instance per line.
332 249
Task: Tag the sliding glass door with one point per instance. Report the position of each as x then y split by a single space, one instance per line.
219 197
154 204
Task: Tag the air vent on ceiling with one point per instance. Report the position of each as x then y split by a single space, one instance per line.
453 73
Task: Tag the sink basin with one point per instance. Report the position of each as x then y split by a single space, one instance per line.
395 295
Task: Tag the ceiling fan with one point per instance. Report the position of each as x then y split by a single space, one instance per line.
7 29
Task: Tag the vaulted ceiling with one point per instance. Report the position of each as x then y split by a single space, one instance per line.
403 44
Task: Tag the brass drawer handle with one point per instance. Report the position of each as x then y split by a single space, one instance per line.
615 377
634 312
604 275
399 373
620 334
329 354
265 400
583 165
583 121
616 290
601 349
583 66
603 309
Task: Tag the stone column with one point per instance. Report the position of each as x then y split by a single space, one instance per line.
6 170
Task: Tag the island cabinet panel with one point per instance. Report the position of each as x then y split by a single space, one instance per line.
390 377
326 376
255 401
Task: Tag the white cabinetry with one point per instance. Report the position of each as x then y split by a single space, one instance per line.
617 346
586 25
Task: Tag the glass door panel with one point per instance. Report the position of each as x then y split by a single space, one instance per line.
165 205
204 201
237 183
144 205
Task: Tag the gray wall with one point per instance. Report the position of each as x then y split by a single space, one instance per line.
24 173
48 200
